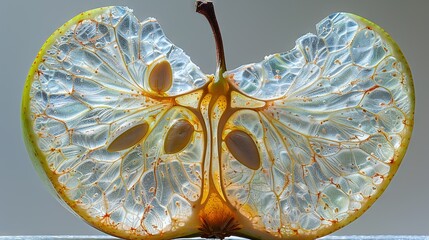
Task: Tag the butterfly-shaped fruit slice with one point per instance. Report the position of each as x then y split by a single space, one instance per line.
134 138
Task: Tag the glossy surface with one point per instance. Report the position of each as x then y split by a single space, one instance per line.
366 237
330 121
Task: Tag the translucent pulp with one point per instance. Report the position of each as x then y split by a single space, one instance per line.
135 139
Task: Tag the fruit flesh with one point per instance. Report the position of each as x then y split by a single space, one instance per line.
173 193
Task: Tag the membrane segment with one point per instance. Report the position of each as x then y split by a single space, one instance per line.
337 117
101 124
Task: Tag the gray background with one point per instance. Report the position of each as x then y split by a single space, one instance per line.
251 30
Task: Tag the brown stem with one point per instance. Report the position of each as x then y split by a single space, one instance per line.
206 8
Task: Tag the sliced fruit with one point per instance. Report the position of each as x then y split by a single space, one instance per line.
136 140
